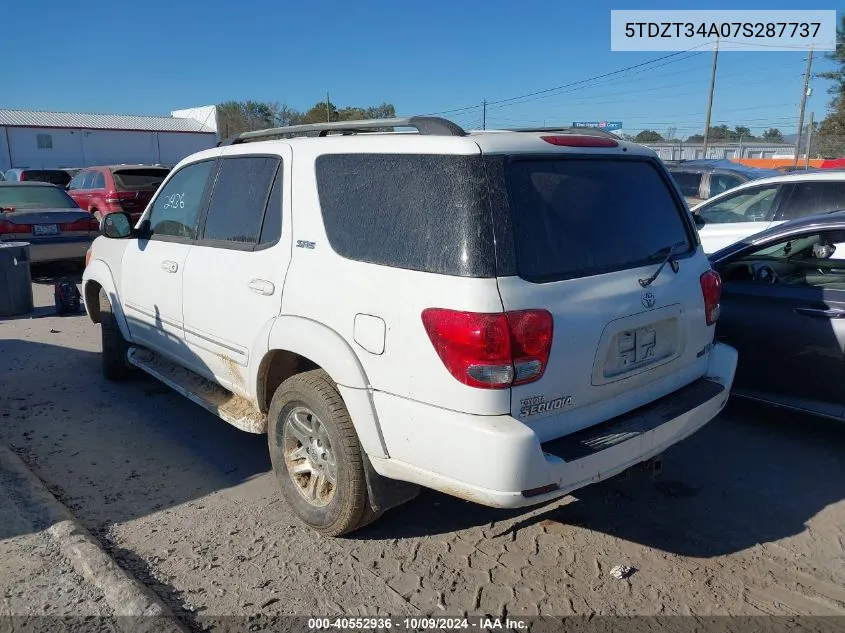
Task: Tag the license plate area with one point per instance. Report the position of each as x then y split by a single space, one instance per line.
45 229
630 346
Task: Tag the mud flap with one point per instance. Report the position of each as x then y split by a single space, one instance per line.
385 493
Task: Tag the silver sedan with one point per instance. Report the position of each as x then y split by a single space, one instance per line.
48 218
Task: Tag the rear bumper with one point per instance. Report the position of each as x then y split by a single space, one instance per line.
495 460
57 249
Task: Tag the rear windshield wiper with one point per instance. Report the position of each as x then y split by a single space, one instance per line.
672 251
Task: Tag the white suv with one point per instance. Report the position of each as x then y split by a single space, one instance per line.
504 317
756 205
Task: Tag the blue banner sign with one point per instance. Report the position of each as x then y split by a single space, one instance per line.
602 125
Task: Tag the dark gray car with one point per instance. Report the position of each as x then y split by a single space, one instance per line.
783 309
700 180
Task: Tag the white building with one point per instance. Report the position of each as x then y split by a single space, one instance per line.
694 151
69 139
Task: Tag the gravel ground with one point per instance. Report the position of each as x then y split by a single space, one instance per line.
747 519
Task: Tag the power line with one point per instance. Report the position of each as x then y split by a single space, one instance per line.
575 83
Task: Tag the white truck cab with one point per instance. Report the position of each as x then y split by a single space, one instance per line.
504 317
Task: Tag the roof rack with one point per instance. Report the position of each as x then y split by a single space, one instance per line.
427 125
590 131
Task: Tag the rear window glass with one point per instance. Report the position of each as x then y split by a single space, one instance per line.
54 176
688 182
132 179
37 197
418 212
580 217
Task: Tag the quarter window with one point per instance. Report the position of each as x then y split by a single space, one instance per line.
747 205
815 197
176 208
240 195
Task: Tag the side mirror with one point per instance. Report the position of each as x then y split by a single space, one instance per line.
116 225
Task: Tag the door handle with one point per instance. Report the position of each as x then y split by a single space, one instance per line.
169 267
822 313
262 286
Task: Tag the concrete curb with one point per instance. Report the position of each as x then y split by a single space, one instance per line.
137 607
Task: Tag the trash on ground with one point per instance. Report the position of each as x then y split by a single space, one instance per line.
621 571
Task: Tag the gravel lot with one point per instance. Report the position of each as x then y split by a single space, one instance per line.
747 518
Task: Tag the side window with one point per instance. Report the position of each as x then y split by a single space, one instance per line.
813 259
76 182
748 205
88 180
814 197
688 182
271 230
177 205
99 181
720 183
239 198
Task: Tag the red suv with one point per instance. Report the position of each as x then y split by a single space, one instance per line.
129 188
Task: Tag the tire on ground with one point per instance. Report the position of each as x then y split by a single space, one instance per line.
115 365
349 508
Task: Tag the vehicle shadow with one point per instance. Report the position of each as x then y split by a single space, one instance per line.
753 475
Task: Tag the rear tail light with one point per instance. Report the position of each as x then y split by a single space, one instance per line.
85 224
574 140
116 197
491 351
8 228
711 289
23 176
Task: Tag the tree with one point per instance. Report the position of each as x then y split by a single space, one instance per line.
317 114
773 135
695 138
831 136
234 117
742 132
648 136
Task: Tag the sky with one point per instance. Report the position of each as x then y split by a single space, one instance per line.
427 57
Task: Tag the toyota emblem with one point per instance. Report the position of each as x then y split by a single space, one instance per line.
648 300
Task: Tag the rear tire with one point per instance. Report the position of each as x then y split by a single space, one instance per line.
97 215
316 454
115 365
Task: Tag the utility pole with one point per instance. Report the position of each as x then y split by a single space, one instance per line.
484 116
803 103
809 142
710 97
328 110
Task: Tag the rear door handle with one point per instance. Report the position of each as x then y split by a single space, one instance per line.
822 313
169 267
262 286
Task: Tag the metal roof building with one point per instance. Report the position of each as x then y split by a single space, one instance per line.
695 151
37 139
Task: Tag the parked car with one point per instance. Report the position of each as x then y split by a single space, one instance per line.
54 176
457 312
757 205
46 217
129 188
700 180
783 309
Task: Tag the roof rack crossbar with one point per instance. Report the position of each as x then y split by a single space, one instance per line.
590 131
427 125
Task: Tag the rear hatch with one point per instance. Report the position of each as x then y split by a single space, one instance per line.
57 177
589 232
135 186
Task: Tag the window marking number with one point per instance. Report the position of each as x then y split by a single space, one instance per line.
304 244
174 201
